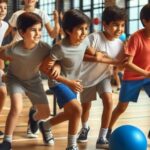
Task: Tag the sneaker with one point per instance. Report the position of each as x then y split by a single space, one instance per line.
49 92
30 134
149 134
1 134
108 134
72 148
33 125
5 146
83 134
102 143
47 134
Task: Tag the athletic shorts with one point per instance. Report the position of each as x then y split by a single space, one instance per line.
63 94
33 88
130 89
89 94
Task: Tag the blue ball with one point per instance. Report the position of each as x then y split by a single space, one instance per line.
127 137
123 37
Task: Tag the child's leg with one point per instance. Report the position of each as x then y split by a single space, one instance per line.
3 94
83 135
15 110
85 114
120 108
116 77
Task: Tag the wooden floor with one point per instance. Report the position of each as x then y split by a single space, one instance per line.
137 115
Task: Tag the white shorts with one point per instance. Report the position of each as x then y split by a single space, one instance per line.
89 94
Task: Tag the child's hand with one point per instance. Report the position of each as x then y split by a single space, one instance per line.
75 85
55 71
148 74
47 65
56 16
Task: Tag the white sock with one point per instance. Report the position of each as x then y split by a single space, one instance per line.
72 140
8 138
85 125
103 133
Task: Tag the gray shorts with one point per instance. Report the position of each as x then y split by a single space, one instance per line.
1 82
32 88
90 94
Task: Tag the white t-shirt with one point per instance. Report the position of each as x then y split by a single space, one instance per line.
13 20
3 28
92 73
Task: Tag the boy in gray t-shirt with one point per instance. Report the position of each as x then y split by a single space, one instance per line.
23 74
69 53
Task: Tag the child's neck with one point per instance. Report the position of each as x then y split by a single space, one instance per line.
147 33
29 9
29 46
108 36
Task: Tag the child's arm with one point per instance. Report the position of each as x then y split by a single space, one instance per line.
3 49
101 57
130 65
52 70
53 32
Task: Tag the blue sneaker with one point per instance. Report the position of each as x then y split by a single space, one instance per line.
83 135
46 134
102 143
72 148
5 146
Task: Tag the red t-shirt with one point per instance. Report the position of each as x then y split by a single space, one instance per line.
138 46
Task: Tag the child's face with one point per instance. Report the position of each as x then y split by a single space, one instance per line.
30 3
78 34
32 35
114 29
3 10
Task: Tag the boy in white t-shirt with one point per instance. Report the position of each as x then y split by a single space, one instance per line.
3 28
96 77
29 6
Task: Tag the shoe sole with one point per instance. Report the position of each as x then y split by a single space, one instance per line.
102 146
49 144
2 136
82 141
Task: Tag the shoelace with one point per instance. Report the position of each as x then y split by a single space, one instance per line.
48 134
83 131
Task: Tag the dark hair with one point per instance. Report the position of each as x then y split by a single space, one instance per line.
28 19
4 1
73 18
145 13
113 13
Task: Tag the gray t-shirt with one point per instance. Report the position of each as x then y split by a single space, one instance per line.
25 63
70 58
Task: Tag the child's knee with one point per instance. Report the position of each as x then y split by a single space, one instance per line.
121 108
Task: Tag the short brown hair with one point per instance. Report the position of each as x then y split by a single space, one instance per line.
4 1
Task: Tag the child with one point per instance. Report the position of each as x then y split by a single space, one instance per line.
69 53
3 28
29 6
96 78
23 75
137 67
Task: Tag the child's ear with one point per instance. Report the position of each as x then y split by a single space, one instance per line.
21 33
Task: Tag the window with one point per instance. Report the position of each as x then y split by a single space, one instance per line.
48 6
134 8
